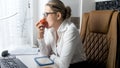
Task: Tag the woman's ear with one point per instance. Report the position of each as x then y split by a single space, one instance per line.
59 15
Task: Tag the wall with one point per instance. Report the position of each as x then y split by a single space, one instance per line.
35 19
102 0
75 6
86 6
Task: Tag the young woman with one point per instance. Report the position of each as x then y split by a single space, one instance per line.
60 40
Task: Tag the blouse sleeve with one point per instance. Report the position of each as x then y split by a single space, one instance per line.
44 45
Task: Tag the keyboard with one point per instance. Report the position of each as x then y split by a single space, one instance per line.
11 63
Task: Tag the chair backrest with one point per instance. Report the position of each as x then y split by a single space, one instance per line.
99 37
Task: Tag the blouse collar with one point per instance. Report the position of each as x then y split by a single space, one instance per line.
63 26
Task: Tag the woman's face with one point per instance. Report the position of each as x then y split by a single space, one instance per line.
50 16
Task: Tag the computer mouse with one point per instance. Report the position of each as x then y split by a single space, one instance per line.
5 53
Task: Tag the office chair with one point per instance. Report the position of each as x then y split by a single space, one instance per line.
99 33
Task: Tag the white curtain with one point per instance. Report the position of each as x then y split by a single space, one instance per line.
16 24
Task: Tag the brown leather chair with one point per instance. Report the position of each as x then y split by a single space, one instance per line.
99 34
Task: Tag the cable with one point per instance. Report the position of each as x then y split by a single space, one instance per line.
9 16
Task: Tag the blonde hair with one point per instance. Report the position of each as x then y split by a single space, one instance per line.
58 6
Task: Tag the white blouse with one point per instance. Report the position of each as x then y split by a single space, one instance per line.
67 49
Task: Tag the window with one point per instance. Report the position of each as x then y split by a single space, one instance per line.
16 23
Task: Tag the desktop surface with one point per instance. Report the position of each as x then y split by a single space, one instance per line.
27 58
29 61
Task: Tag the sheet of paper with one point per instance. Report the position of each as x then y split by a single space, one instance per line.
24 51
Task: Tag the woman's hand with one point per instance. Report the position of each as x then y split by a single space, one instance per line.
41 29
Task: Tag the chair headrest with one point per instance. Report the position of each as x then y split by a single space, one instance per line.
99 20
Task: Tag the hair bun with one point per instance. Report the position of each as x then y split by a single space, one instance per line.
68 12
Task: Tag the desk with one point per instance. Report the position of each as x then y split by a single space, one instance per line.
28 60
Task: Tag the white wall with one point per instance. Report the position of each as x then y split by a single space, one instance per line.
75 6
86 6
41 7
37 15
35 19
